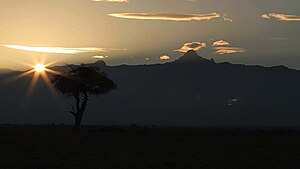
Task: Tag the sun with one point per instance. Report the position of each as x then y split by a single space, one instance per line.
39 68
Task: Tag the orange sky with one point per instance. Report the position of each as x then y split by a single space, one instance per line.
142 31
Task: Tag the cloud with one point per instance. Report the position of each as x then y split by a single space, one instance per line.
221 43
283 38
229 50
166 16
281 17
191 46
165 57
99 57
222 47
266 16
59 50
225 18
232 101
110 0
228 19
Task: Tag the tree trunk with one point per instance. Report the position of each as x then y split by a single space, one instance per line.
79 114
77 123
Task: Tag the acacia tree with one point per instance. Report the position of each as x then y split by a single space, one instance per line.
81 83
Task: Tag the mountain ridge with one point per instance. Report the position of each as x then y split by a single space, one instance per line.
190 56
174 93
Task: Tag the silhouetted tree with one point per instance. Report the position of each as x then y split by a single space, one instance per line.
81 83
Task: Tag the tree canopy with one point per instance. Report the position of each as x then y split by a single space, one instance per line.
80 83
89 80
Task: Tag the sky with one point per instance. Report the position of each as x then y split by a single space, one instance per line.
252 32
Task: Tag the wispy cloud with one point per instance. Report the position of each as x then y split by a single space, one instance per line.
59 50
99 57
283 38
166 16
225 18
228 19
220 43
164 57
110 0
281 17
266 16
229 50
191 46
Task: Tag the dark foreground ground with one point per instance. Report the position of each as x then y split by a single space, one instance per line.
57 147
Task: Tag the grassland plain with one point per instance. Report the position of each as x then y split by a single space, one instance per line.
117 147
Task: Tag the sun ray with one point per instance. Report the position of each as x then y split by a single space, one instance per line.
17 77
53 72
38 69
48 82
32 85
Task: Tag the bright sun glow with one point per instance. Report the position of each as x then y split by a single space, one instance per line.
37 71
39 68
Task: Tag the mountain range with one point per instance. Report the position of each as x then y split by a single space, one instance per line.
190 91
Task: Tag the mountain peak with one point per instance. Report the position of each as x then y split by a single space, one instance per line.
191 53
99 63
191 56
4 70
